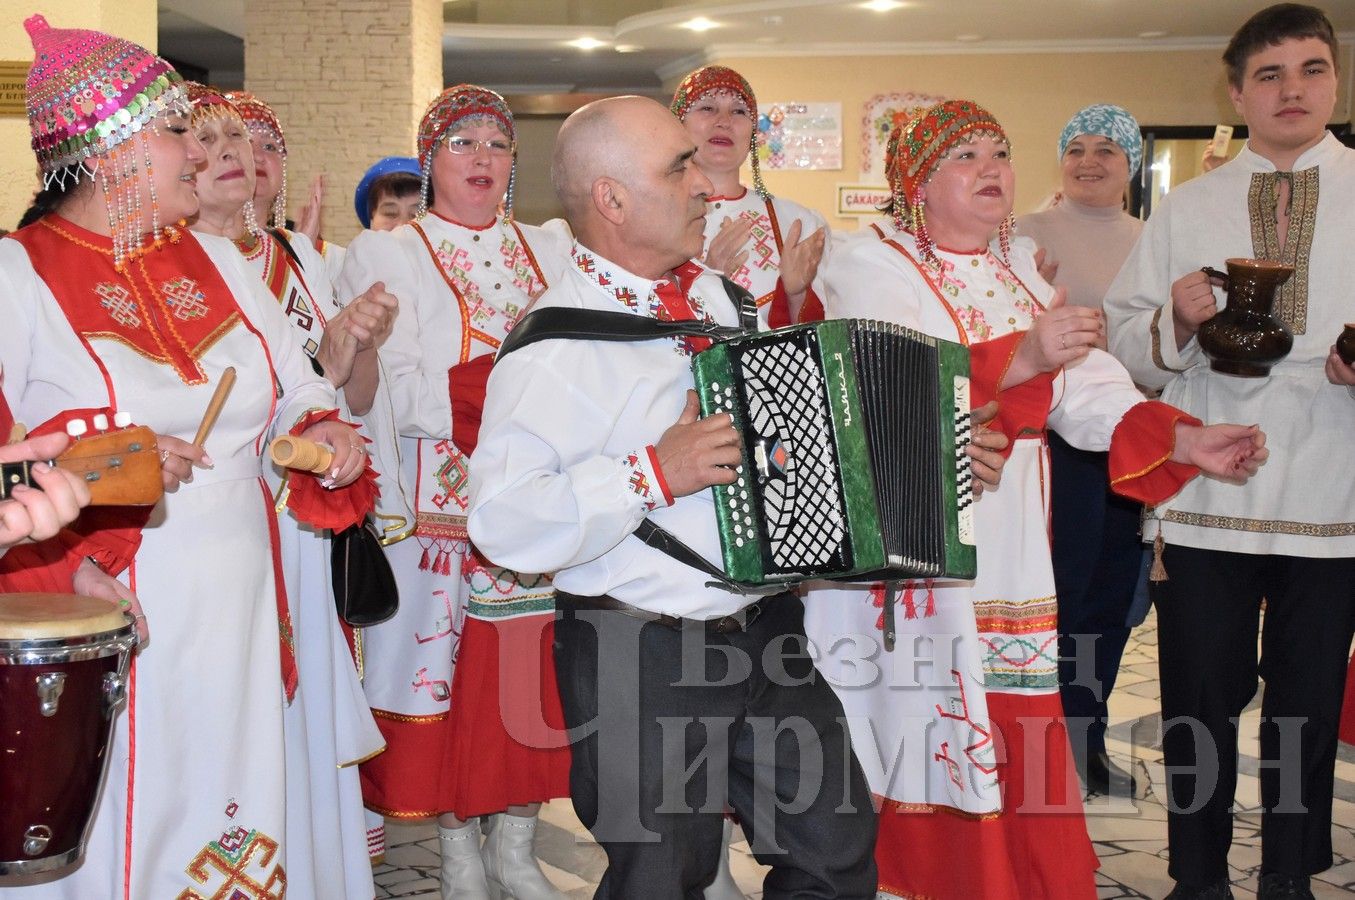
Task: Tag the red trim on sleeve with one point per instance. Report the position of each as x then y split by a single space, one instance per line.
1140 453
322 508
658 475
812 310
1022 408
779 315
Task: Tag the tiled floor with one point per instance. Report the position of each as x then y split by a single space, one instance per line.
1131 837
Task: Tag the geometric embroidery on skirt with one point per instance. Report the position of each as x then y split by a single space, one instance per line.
231 858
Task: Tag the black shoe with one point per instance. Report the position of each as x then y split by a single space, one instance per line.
1219 890
1101 776
1278 886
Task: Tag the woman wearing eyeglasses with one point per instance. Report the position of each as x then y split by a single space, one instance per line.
461 742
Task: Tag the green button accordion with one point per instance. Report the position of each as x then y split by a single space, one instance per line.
854 464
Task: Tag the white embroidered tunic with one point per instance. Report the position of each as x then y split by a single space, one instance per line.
564 471
1302 501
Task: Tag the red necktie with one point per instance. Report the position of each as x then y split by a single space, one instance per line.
672 294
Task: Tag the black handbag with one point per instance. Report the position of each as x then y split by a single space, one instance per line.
364 585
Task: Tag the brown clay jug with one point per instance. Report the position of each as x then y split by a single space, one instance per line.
1244 338
1345 344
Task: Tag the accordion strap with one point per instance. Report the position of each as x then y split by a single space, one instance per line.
664 540
558 322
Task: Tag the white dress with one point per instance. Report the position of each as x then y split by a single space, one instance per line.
195 802
973 659
460 290
328 727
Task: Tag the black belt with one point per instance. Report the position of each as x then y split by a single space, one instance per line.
724 625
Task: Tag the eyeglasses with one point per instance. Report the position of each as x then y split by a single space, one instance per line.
469 147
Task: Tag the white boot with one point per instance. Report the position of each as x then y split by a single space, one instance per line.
463 874
509 863
723 887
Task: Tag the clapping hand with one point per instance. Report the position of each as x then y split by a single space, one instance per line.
728 249
800 258
1063 335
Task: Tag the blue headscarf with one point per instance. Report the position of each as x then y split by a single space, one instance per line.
1107 120
383 167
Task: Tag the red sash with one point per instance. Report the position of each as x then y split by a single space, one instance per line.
170 307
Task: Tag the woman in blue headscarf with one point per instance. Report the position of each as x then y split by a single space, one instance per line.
1086 237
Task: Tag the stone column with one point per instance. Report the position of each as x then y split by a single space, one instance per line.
131 19
349 80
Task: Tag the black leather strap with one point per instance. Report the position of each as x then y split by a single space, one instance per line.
664 540
557 322
560 322
281 237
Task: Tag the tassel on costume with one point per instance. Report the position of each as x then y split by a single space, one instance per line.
1157 572
930 609
909 604
424 562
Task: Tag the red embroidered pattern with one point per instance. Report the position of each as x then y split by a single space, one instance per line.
638 479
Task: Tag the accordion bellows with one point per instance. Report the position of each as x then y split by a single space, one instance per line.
854 464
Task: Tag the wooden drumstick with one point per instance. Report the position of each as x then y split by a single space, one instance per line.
223 390
301 454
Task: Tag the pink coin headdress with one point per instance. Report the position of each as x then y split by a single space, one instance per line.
88 94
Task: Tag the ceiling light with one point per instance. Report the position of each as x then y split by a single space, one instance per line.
627 48
699 24
1151 35
968 38
883 6
586 43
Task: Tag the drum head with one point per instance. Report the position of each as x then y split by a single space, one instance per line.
38 616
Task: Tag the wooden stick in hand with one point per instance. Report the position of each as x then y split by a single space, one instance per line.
301 454
223 390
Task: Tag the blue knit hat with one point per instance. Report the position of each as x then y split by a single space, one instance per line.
383 167
1107 120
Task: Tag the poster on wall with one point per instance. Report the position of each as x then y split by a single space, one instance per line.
804 136
882 113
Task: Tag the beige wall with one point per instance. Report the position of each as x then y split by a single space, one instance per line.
134 19
349 80
1033 95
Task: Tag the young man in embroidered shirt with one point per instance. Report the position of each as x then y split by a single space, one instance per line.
1288 537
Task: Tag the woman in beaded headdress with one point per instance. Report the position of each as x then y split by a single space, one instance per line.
270 187
462 744
108 311
771 246
970 754
327 726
